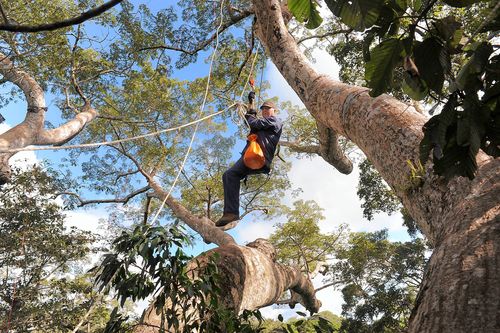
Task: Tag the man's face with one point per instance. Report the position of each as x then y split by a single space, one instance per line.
267 112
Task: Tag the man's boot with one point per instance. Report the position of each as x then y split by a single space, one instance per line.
227 218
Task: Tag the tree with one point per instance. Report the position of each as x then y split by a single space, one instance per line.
389 133
457 215
379 280
40 287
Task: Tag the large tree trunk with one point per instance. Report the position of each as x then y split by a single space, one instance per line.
461 288
251 276
250 279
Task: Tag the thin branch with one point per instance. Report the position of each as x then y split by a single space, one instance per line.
146 210
328 34
326 286
129 173
205 43
245 61
4 16
73 75
123 200
61 24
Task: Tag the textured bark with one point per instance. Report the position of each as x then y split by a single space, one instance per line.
460 291
31 130
243 270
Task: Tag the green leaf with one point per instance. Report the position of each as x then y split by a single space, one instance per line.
416 5
463 129
432 62
305 11
378 71
357 14
414 87
302 314
468 77
402 5
446 27
280 317
461 3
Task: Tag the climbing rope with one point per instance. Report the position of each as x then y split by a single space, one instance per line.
240 108
201 112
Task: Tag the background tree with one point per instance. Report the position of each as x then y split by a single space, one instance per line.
380 280
41 286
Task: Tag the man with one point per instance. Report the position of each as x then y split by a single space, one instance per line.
268 130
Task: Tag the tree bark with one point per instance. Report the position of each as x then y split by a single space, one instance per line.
243 270
460 292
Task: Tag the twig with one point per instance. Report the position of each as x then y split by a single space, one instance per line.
123 200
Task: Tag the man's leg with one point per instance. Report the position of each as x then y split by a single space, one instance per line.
232 180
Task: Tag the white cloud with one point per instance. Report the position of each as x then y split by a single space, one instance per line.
248 230
84 220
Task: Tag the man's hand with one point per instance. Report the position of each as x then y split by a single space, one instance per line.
251 97
251 112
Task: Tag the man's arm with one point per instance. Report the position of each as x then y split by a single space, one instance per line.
257 124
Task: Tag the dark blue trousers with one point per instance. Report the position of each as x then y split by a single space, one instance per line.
232 181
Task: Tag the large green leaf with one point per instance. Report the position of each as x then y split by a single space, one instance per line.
357 14
432 61
461 3
305 11
414 87
378 71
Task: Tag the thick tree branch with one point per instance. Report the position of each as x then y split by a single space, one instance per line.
8 26
300 148
202 225
329 149
66 132
31 130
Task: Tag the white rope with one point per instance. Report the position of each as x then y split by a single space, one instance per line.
240 111
112 142
201 112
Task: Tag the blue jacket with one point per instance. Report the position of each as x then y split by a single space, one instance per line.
268 132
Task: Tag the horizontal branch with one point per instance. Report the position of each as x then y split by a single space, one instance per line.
328 34
299 148
7 26
123 200
329 149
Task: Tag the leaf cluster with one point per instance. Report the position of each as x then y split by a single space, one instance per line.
323 322
380 280
149 261
300 241
40 288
